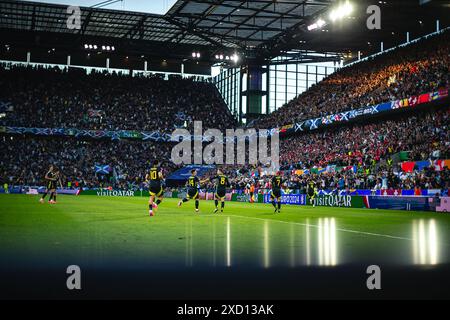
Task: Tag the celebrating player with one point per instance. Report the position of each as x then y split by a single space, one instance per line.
155 178
252 193
277 183
312 192
193 185
52 178
221 189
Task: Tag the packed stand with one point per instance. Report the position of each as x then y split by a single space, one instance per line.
424 135
404 72
25 161
55 98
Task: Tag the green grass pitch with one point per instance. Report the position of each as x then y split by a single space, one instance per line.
104 231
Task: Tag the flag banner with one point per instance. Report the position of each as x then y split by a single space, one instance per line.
424 98
6 106
312 124
95 113
412 101
434 96
420 165
102 169
180 116
95 134
437 165
286 128
443 93
408 166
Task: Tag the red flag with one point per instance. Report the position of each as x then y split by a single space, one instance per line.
408 166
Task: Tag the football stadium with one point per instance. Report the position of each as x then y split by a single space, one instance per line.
209 149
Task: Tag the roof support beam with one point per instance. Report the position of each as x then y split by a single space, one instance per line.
33 19
190 30
228 5
86 22
279 18
137 28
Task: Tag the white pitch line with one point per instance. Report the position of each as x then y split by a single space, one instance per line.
314 226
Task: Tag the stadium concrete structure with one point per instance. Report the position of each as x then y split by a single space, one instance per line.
360 98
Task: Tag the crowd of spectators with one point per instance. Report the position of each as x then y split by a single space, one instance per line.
54 98
363 151
383 178
407 71
363 154
371 178
25 161
424 135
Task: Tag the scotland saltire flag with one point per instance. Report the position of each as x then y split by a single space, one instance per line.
103 169
181 116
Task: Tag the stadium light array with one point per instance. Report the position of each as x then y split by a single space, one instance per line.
317 25
225 57
96 47
342 11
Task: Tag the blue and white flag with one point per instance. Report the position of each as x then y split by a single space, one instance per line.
102 169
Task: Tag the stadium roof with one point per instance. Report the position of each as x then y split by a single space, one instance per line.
233 24
256 29
52 18
153 6
243 23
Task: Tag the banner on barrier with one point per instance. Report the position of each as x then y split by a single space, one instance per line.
401 203
211 196
32 191
240 197
73 192
444 205
337 201
293 199
168 194
111 193
313 124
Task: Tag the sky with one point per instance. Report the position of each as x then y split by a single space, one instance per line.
148 6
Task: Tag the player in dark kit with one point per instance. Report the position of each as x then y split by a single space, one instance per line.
221 190
312 192
277 183
192 189
52 177
154 179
